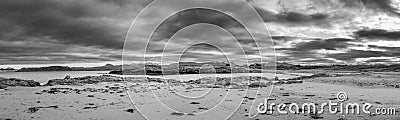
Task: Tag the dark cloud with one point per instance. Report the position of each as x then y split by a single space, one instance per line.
375 5
378 34
51 59
318 19
38 52
185 18
315 60
385 48
189 17
351 55
384 5
378 61
293 18
316 44
58 31
87 23
283 38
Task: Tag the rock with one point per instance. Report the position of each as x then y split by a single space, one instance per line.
285 94
90 96
194 103
130 110
67 77
2 86
177 114
5 82
90 104
310 95
34 109
202 108
84 80
95 107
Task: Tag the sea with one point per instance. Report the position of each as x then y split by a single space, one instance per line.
43 77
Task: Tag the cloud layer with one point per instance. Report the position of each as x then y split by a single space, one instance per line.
304 32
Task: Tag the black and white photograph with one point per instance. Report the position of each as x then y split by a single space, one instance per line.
199 59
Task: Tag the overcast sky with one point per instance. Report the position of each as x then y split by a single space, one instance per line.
92 32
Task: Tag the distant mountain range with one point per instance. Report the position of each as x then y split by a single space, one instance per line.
192 67
7 69
107 67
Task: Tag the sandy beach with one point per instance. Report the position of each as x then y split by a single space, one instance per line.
183 101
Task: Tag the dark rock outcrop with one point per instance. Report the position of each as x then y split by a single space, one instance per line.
6 82
85 80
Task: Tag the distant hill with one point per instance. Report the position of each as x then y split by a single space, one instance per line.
49 68
7 69
107 67
361 67
188 67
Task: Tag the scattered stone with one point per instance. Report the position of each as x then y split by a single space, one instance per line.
95 107
202 108
34 109
177 114
90 104
194 103
285 94
67 77
130 110
271 99
310 95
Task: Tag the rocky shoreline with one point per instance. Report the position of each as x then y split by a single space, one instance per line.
6 82
84 80
78 81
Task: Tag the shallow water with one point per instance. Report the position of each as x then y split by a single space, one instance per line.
43 77
186 77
